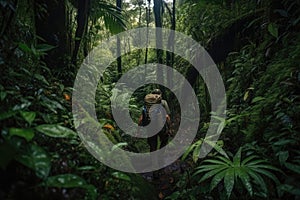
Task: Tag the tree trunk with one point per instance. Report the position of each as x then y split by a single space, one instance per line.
52 28
147 35
170 55
82 20
119 59
158 11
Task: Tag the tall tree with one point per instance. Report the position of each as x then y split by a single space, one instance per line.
82 21
170 55
147 36
119 59
158 12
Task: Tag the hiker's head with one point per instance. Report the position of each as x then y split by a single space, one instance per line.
156 91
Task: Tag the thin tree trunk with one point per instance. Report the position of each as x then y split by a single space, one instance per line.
82 19
170 55
147 35
158 11
140 37
119 59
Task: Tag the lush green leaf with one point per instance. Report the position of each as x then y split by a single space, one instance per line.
293 167
121 175
28 116
28 134
216 179
71 181
229 181
36 158
55 130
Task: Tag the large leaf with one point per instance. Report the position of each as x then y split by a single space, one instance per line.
248 159
237 157
229 181
216 179
55 130
71 181
28 116
28 134
259 180
243 175
64 181
293 167
36 158
212 173
266 173
121 175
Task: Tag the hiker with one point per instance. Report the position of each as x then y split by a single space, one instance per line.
163 133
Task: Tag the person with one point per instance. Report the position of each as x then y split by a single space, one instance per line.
163 135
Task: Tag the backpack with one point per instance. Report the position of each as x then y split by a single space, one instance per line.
155 112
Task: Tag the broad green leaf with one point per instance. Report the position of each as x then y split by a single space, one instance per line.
55 130
266 173
28 116
64 181
242 174
273 29
237 157
226 160
205 168
212 173
36 158
248 159
121 175
229 181
258 179
293 167
71 181
28 134
216 179
51 104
